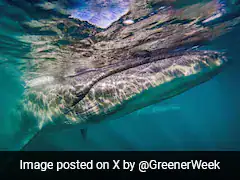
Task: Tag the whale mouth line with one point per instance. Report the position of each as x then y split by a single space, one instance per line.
143 58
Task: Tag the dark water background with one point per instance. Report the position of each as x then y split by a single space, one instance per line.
207 117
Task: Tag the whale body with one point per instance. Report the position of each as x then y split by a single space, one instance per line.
116 71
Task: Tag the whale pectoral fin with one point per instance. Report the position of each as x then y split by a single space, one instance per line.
84 133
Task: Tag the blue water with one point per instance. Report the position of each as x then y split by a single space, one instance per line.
206 117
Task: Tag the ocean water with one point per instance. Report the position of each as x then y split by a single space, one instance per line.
206 117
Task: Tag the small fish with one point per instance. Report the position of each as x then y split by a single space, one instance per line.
157 109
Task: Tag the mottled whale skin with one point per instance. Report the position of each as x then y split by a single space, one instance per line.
123 68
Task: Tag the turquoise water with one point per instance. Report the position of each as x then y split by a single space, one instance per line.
206 117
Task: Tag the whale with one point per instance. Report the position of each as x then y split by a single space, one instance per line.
141 59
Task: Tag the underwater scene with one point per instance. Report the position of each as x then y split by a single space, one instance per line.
119 75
